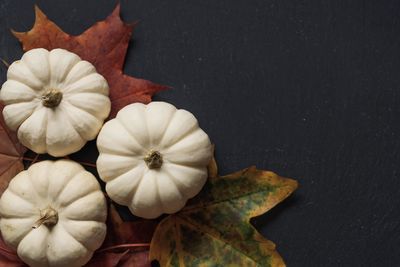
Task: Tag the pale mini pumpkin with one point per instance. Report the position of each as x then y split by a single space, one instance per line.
53 214
55 100
153 158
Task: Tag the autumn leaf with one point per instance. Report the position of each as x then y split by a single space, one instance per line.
104 45
123 259
11 154
214 228
127 243
8 257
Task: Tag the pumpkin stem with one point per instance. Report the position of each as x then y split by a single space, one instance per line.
48 217
52 98
153 160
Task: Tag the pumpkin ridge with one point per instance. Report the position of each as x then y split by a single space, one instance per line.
65 57
34 109
176 181
23 200
132 137
28 91
65 120
138 186
68 70
72 102
32 61
122 123
72 177
146 127
30 173
168 122
75 74
66 227
21 234
72 236
177 189
61 229
103 90
67 178
48 165
68 111
17 78
160 202
190 131
185 164
72 200
30 107
29 233
17 194
121 170
67 86
138 179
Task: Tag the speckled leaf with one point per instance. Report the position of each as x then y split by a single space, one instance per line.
214 228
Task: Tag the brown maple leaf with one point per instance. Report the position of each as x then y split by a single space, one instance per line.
104 45
11 154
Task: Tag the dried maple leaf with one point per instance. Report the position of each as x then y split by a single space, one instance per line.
11 154
127 243
214 228
104 45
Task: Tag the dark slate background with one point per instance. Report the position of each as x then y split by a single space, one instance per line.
308 89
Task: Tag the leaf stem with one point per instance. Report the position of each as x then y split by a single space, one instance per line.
7 251
123 246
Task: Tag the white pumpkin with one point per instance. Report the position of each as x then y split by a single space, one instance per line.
53 214
153 158
55 100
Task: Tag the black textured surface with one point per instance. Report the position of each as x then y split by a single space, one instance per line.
308 89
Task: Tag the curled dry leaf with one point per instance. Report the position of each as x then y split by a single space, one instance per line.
104 45
11 154
214 228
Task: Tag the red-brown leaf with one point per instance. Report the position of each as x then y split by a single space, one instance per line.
127 243
123 259
9 257
11 154
122 232
104 45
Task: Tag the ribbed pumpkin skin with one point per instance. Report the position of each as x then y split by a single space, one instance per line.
70 190
137 130
65 128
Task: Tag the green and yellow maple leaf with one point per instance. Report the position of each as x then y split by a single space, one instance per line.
214 228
